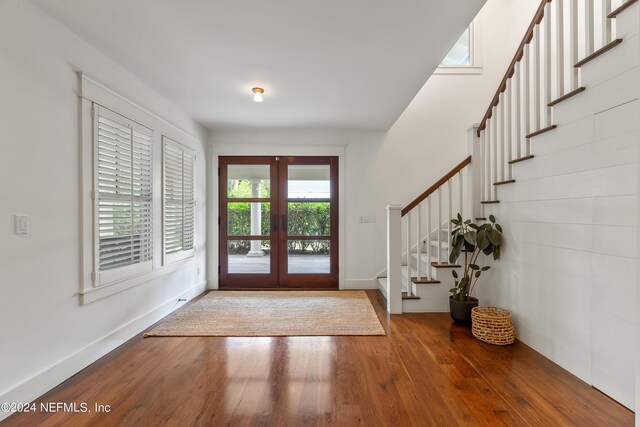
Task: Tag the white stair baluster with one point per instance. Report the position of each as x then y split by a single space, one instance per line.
537 94
516 114
573 43
440 225
450 212
503 161
419 242
559 48
547 65
527 96
485 162
460 189
606 22
408 253
429 238
508 118
588 27
494 158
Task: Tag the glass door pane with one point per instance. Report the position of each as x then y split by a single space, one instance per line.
248 213
248 181
308 257
310 208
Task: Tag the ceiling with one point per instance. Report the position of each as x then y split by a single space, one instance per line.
352 64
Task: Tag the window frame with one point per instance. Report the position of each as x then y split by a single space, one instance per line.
92 91
182 254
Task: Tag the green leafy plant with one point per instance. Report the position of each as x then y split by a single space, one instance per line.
471 240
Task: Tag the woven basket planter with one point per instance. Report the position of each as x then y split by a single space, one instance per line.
492 325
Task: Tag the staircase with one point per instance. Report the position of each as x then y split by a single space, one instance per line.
553 64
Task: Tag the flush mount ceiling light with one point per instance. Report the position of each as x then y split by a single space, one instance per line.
257 94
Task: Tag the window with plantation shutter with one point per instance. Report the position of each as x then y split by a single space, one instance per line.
123 196
179 200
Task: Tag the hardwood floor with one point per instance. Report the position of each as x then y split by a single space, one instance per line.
425 371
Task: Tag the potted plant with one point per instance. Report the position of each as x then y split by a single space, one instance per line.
471 240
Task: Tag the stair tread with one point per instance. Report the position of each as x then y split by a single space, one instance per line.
541 131
521 159
444 265
424 281
598 52
620 9
405 296
566 96
508 181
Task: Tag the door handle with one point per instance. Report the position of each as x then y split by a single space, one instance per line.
283 223
274 223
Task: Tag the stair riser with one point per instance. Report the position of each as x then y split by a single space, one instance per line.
627 23
624 56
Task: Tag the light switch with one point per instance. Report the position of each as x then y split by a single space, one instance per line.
367 219
21 225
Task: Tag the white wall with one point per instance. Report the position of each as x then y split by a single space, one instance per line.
428 139
637 335
51 335
569 268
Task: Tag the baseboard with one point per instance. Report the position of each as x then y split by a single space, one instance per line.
48 378
360 284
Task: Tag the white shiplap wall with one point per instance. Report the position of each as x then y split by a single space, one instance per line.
568 272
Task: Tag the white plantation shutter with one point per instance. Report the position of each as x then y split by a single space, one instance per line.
188 167
179 200
123 195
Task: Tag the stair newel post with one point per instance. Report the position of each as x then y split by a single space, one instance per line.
573 43
440 225
408 253
559 48
547 64
429 238
475 172
606 22
394 259
588 27
418 244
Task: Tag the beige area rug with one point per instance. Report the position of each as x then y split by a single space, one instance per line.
273 313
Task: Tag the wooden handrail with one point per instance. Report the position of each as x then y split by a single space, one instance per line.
435 186
528 35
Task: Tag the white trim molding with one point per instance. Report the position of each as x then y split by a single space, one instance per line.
218 150
93 92
475 47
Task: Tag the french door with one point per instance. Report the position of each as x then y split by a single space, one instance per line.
278 222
